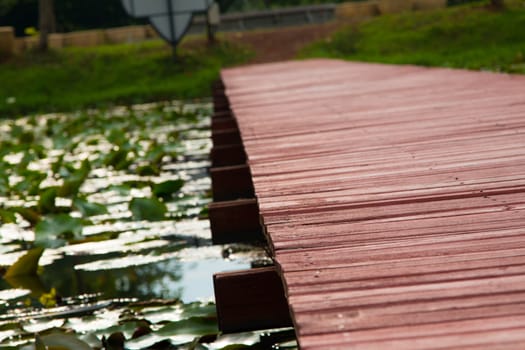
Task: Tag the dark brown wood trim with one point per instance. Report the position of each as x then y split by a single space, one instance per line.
223 123
226 137
228 155
231 182
235 221
251 300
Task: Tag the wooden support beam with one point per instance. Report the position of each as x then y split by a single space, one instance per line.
231 182
226 137
228 155
221 106
251 300
218 85
222 114
224 123
235 221
220 99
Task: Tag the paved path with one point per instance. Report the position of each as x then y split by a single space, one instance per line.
393 198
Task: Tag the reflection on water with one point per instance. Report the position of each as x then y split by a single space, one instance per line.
118 260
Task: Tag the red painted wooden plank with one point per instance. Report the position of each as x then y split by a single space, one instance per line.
393 198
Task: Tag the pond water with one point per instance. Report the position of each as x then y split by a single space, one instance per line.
117 200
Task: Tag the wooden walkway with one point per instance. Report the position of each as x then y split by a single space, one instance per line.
393 199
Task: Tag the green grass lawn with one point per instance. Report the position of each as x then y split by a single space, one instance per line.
470 36
94 77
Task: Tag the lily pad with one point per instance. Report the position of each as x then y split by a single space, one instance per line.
72 184
54 230
148 170
64 341
28 214
118 159
150 209
194 326
46 202
7 216
166 189
89 209
27 264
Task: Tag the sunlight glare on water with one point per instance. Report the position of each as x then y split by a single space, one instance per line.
111 255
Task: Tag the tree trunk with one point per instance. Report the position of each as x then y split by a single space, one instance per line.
47 23
498 4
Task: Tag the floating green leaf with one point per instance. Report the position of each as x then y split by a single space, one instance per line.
55 167
64 341
4 184
89 209
117 137
147 209
29 282
166 189
72 184
46 202
39 344
7 216
28 214
27 264
118 159
54 230
148 170
194 326
30 183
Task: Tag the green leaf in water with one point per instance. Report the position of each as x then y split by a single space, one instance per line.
72 184
29 282
28 214
117 137
64 342
118 159
148 170
31 182
4 184
46 202
61 141
89 209
199 309
39 344
55 229
55 167
194 326
155 154
147 209
27 264
7 216
166 189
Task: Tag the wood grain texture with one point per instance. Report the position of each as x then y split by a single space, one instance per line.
393 199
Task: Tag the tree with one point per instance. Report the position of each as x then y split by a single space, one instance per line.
6 5
46 22
498 4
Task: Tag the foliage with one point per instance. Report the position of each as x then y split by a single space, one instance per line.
6 6
469 36
147 209
106 269
27 264
95 77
